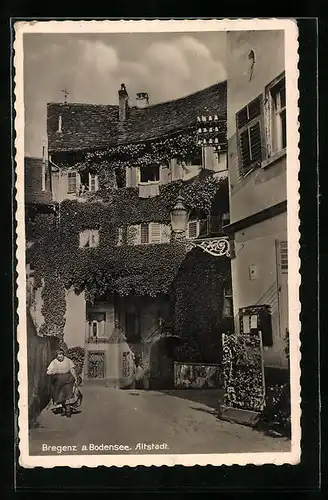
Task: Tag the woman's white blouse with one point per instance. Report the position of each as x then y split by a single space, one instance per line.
57 366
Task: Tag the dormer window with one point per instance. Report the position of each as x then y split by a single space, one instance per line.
149 173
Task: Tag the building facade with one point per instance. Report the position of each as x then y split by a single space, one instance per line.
257 186
108 260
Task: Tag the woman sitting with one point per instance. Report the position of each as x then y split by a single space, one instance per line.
64 380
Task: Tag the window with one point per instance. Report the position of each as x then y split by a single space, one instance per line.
250 135
148 233
89 238
72 182
197 228
96 324
196 159
149 173
227 302
279 134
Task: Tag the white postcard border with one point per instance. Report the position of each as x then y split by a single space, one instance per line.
291 65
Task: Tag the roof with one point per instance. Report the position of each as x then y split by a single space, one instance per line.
93 126
33 182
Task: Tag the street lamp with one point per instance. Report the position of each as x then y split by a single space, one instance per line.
179 216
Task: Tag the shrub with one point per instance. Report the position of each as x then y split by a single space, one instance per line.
277 414
77 354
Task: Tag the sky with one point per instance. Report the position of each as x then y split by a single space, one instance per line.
93 66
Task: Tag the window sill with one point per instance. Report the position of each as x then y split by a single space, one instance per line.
273 159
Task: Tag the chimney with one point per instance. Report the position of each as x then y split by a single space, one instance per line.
142 100
123 98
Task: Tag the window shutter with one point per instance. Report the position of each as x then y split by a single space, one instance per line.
245 149
209 157
193 228
93 182
155 232
128 177
120 236
133 235
166 233
144 234
255 142
135 176
164 174
284 257
177 170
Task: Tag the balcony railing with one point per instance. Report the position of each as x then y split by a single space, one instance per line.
97 340
148 189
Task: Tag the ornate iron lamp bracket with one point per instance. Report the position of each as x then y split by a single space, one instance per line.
218 247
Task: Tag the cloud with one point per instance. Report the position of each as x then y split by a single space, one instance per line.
93 69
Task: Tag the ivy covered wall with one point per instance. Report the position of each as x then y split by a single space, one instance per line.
142 270
198 313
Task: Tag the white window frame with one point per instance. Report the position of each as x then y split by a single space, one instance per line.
75 173
91 238
93 177
272 117
100 326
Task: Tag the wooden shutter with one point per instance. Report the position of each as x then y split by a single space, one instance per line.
93 182
164 174
193 229
155 232
144 234
283 247
250 135
128 177
119 236
209 157
133 235
135 176
177 170
255 142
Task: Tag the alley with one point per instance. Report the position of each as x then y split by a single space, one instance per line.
111 416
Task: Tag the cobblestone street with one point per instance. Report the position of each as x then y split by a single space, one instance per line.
111 416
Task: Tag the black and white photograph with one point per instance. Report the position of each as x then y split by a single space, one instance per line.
157 242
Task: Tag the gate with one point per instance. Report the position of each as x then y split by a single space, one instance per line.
96 365
197 376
